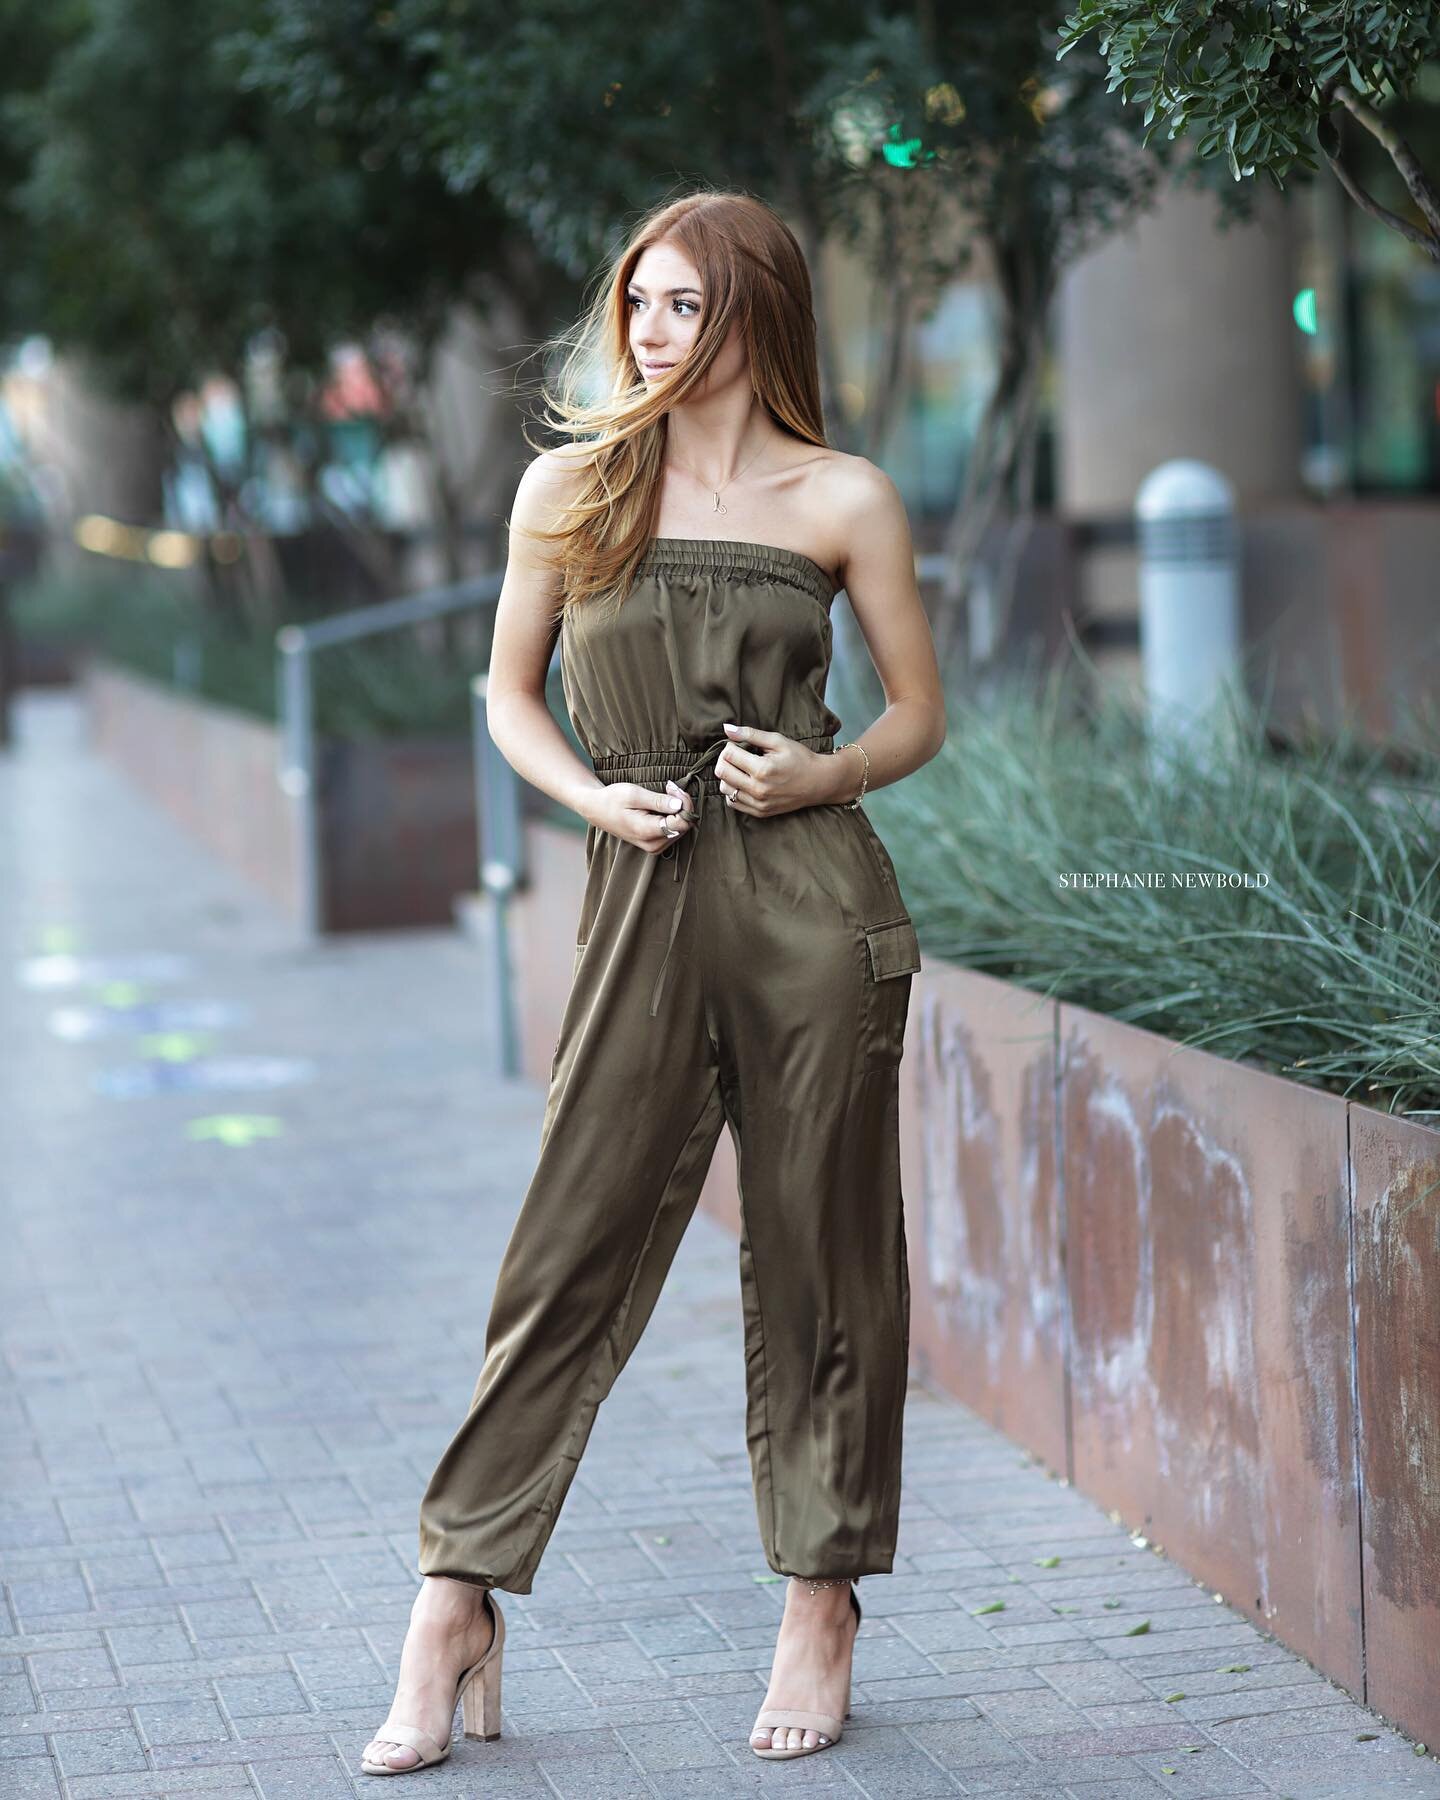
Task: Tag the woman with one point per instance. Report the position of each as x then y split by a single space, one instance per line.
689 544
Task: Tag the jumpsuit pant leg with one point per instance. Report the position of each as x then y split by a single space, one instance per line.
630 1126
811 1042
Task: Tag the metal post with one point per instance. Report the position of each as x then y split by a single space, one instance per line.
500 837
1189 594
9 663
297 767
188 662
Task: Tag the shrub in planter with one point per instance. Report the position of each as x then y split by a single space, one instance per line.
1276 903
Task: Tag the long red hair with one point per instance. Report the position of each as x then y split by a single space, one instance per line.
751 269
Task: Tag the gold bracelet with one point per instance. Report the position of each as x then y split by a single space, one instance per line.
855 744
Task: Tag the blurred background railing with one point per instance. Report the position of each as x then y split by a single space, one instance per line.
297 646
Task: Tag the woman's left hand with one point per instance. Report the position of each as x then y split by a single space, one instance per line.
764 773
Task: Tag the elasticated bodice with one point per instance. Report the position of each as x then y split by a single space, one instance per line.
711 630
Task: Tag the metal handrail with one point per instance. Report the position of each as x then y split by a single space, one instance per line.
296 645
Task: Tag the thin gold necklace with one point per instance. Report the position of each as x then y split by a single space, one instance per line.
724 484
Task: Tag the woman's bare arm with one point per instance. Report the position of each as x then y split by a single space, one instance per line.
878 572
526 622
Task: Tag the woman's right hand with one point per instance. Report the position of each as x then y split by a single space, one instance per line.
641 816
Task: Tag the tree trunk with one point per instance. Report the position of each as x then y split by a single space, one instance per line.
1000 471
894 300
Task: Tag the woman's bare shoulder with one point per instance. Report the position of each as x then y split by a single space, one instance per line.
548 484
853 503
850 481
557 474
870 526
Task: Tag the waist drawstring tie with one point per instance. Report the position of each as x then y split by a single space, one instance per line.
696 770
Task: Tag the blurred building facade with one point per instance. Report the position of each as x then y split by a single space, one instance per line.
1300 355
1296 355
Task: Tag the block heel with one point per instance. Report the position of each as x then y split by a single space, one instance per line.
478 1692
480 1696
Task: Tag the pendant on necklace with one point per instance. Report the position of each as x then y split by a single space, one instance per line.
718 507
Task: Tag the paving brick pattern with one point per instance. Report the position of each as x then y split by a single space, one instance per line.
229 1369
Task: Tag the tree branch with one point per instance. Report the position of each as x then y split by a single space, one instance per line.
1367 203
1422 190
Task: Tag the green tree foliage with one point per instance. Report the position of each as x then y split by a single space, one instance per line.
571 117
1260 85
168 211
162 211
565 119
930 140
197 173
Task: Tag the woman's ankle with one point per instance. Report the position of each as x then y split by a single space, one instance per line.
453 1598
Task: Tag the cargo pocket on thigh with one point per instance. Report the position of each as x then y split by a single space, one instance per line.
890 956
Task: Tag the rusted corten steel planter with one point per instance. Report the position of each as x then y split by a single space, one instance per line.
396 821
1208 1296
1206 1219
1396 1237
987 1279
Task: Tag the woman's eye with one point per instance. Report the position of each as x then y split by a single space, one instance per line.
693 305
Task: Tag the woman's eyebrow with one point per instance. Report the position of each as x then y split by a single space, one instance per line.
669 292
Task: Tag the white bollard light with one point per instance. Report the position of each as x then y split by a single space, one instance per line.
1189 593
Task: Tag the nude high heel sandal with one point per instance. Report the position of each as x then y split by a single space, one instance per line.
477 1690
825 1724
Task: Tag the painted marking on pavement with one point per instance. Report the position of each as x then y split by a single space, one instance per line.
238 1130
72 971
207 1074
80 1024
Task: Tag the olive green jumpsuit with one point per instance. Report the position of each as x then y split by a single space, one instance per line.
757 974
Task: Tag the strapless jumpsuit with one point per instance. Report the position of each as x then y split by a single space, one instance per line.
755 974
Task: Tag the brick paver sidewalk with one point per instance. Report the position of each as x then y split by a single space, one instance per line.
232 1359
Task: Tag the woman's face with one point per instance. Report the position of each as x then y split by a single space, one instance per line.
664 301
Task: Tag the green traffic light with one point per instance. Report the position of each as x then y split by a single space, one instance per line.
904 153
